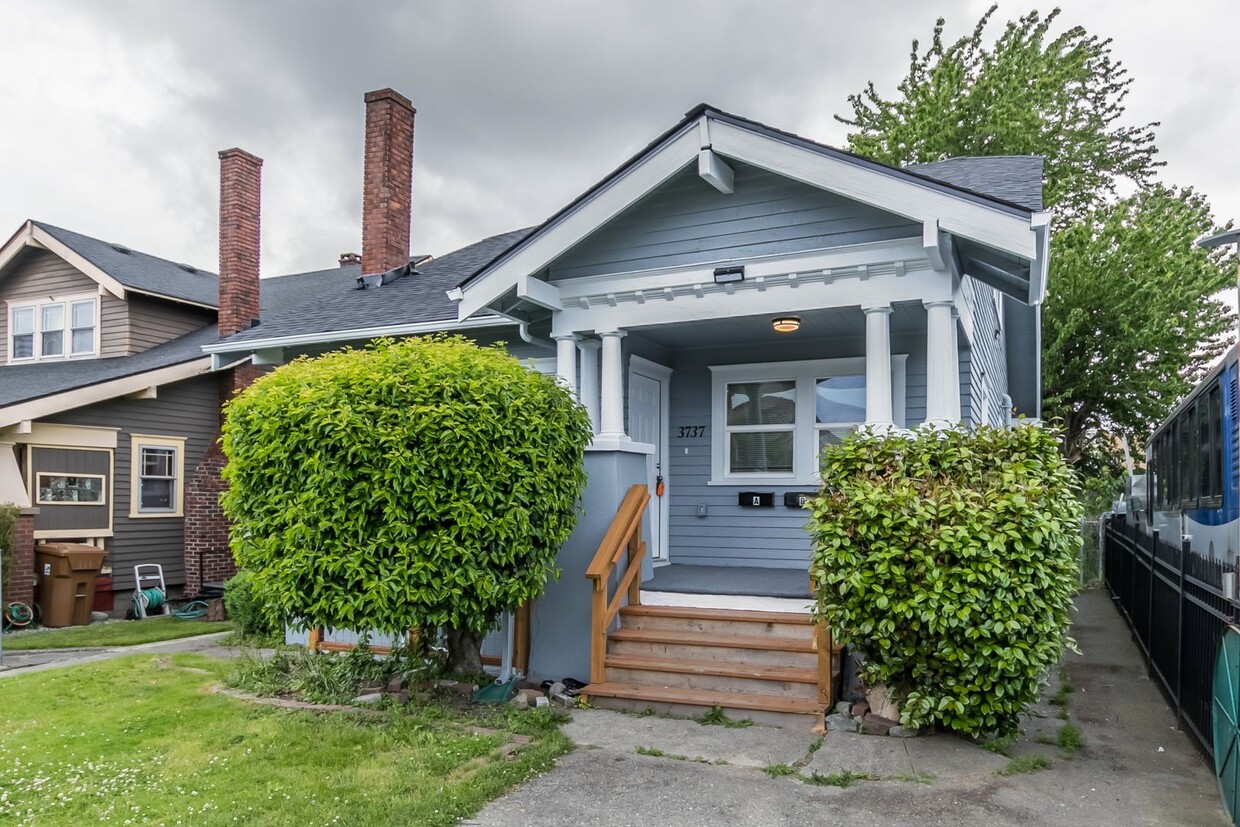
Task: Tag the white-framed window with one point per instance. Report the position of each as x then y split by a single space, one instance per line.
770 421
157 474
53 330
70 489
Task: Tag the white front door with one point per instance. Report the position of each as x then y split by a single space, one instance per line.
648 408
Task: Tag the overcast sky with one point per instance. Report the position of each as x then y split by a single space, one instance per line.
115 111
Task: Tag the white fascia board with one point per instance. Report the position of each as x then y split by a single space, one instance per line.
637 181
717 303
805 264
105 281
101 392
986 225
354 335
538 292
715 171
1039 268
20 240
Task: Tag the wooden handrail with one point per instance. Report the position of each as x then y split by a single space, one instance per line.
624 534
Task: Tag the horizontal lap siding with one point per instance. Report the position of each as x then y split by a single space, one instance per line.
39 275
188 409
731 535
154 322
689 222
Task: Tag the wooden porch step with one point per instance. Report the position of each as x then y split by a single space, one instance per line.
674 638
734 615
754 671
703 698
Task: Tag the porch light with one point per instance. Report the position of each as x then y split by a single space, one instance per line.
729 275
786 324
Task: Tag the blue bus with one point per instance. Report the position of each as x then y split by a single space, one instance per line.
1192 468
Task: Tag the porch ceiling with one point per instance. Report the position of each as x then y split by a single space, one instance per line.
836 322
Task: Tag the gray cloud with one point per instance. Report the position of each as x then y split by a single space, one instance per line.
117 109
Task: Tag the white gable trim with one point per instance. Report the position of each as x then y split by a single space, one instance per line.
101 392
940 210
32 235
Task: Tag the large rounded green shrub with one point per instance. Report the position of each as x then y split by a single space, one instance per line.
425 482
948 559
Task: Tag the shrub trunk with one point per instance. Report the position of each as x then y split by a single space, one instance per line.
464 652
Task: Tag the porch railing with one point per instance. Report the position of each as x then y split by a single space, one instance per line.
624 535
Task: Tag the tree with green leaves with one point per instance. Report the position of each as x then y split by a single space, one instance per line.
1129 321
423 483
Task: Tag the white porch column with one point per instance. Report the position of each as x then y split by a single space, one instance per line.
566 361
942 366
878 412
611 390
588 392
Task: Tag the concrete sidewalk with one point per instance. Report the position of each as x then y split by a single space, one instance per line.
1136 768
40 660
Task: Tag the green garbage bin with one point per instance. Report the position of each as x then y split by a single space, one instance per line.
67 574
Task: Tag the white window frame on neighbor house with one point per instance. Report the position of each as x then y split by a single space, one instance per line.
38 312
805 428
138 442
38 488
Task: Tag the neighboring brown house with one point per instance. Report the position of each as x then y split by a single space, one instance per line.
109 409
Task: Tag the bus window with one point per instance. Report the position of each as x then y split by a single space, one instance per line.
1214 484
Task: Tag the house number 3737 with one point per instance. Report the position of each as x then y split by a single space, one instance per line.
691 431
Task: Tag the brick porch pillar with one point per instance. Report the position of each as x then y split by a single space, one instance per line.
20 574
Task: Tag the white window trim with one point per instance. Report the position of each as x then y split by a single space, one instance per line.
137 443
805 431
38 488
66 302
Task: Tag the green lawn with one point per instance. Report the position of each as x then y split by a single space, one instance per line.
112 633
143 740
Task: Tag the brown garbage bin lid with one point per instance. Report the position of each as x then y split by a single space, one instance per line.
81 556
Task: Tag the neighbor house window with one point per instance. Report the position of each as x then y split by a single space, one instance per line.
771 421
158 476
69 489
53 329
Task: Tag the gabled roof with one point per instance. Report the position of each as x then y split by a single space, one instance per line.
414 299
25 383
997 226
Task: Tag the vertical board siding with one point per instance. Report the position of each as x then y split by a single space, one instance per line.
189 409
730 535
39 274
687 221
987 358
71 461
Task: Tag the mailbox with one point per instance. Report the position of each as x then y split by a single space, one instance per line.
755 499
796 499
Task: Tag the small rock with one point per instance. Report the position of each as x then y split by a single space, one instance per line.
842 707
531 696
840 723
368 698
556 688
877 724
898 731
96 617
566 701
396 684
401 697
459 688
542 701
860 709
520 701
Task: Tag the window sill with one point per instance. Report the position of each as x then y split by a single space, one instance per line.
155 515
751 482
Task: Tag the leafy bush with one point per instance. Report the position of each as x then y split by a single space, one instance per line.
949 560
321 677
426 482
247 611
8 519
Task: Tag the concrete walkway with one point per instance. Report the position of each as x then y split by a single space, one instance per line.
1136 768
40 660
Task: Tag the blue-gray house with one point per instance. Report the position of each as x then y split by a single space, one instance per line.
724 303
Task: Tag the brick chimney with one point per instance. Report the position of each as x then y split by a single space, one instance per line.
387 181
240 184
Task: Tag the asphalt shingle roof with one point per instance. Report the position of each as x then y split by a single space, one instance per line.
139 271
23 383
1014 178
421 297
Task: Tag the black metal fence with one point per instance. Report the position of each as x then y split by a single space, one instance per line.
1174 603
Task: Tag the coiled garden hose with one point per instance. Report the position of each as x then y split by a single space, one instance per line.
147 599
191 610
17 616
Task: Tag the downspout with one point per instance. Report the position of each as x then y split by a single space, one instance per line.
523 330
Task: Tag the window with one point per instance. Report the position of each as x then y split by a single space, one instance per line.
70 489
771 421
1212 458
1185 425
158 473
54 329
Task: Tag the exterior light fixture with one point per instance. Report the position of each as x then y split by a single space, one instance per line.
729 275
786 324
